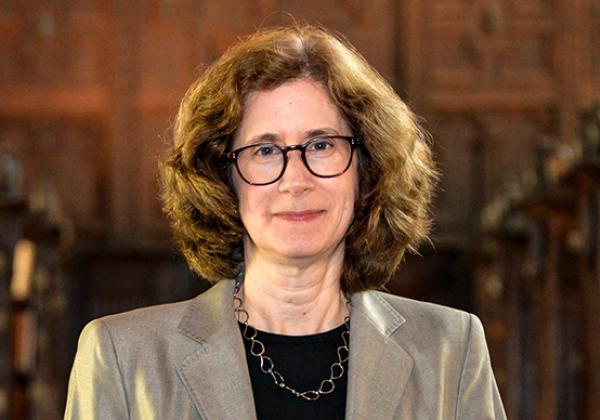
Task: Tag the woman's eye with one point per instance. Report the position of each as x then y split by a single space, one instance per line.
321 145
265 150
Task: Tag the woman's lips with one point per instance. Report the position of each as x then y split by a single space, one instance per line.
299 216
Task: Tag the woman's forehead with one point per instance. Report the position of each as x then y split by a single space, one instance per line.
295 108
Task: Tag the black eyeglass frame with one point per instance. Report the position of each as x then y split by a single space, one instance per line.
233 155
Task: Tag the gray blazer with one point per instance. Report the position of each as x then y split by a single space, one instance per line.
408 360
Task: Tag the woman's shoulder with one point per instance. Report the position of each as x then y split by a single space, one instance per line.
138 327
155 316
425 330
163 322
419 307
135 338
425 318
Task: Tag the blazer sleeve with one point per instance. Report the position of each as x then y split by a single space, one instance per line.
478 396
96 389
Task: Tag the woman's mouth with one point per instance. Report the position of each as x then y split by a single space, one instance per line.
299 216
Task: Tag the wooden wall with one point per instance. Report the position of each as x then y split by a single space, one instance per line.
88 90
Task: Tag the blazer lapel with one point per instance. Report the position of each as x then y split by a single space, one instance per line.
216 374
378 367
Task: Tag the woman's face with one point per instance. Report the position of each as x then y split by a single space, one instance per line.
300 216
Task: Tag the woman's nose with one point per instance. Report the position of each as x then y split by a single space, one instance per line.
296 178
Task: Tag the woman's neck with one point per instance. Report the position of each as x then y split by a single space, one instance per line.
294 299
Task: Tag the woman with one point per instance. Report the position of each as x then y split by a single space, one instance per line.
297 172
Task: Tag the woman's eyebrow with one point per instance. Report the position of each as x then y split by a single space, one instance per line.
325 131
275 138
263 138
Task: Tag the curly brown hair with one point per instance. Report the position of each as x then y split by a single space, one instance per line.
396 170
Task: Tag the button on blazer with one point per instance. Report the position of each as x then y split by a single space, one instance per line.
408 360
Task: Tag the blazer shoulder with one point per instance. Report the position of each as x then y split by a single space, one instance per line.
151 324
135 338
420 308
433 320
156 316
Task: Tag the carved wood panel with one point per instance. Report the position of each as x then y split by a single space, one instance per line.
456 138
64 168
513 139
490 44
595 37
368 25
479 155
588 48
156 135
53 43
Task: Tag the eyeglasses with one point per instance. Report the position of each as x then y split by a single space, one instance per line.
265 163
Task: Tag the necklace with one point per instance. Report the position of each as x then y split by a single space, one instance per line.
258 349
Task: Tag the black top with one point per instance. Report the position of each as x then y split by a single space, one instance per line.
304 361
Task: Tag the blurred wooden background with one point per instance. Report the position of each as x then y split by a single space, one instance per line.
508 88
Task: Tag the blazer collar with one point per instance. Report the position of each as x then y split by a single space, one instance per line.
379 367
216 375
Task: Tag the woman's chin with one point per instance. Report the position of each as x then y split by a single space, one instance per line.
303 251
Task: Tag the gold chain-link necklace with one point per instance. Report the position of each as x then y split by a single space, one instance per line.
258 349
